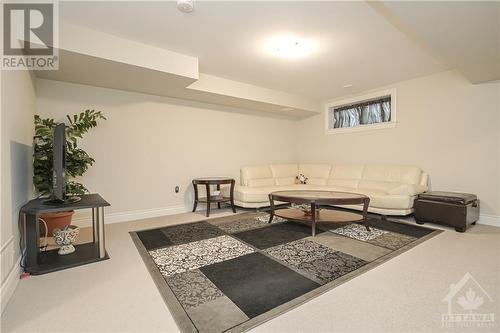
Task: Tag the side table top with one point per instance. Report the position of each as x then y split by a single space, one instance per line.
212 180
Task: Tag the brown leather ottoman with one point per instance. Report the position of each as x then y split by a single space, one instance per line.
458 210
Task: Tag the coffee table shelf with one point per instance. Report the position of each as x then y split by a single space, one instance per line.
324 215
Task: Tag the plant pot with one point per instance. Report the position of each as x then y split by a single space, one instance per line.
56 221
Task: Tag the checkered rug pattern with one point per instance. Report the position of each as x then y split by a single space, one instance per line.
225 272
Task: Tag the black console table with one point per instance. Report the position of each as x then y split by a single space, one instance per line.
40 262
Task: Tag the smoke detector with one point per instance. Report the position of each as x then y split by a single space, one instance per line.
185 6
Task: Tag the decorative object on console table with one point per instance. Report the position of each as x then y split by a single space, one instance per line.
65 238
38 262
218 181
458 210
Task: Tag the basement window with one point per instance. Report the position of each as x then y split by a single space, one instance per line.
367 112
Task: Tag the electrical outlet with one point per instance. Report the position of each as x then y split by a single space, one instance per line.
177 189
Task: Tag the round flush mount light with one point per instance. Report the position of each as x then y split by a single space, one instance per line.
347 86
291 47
185 6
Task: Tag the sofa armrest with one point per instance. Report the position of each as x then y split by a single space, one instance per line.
407 189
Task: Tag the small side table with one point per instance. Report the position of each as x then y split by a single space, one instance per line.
218 181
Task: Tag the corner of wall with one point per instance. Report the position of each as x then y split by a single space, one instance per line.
17 128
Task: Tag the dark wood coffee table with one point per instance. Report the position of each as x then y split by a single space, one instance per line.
218 181
316 200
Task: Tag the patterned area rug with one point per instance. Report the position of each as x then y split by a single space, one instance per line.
235 272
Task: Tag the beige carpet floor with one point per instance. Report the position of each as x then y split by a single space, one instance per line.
404 294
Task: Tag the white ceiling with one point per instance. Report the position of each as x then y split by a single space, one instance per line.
465 34
357 45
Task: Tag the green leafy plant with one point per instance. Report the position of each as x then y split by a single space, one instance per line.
77 160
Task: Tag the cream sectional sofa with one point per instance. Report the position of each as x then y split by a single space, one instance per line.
391 188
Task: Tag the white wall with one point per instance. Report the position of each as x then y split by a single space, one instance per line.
18 109
446 125
150 144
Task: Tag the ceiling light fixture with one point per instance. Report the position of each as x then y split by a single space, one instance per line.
347 86
290 47
185 6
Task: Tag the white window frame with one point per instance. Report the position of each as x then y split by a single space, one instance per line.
361 99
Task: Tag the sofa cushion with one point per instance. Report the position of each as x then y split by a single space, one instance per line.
256 176
324 188
408 189
379 186
350 183
284 181
261 194
368 192
345 175
252 194
317 174
257 194
391 201
261 182
391 173
380 199
315 170
317 181
284 174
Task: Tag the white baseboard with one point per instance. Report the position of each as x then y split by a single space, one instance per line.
10 272
10 284
489 220
133 215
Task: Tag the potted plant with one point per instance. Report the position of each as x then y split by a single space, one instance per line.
77 160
